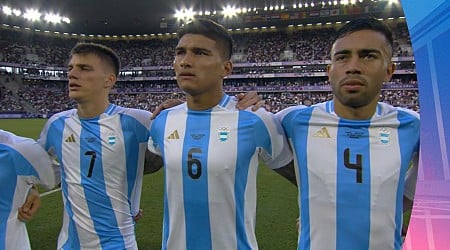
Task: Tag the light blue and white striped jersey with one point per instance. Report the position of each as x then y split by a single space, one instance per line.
211 160
352 175
102 162
22 163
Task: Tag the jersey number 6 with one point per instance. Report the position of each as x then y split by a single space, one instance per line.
194 165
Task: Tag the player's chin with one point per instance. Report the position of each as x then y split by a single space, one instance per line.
74 95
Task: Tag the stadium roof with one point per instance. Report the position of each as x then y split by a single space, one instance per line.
124 17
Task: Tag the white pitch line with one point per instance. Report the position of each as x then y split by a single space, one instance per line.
50 192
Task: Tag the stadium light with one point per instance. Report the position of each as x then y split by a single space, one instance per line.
17 12
52 18
186 14
7 10
229 11
32 15
66 19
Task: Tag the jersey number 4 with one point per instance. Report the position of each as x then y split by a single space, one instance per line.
354 165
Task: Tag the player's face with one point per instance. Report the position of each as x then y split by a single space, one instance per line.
360 63
89 78
199 65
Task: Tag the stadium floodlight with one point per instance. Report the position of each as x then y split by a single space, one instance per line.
189 13
335 2
207 12
17 12
186 14
265 8
52 18
294 6
7 10
66 19
32 15
271 7
229 11
312 4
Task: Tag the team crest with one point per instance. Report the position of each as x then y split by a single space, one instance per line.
112 139
223 134
384 135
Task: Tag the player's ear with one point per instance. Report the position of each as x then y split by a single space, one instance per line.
227 68
110 80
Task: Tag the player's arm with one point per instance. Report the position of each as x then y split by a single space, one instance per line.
408 197
288 172
165 105
410 184
152 163
31 205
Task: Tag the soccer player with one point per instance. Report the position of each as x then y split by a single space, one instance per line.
356 158
22 163
101 148
211 149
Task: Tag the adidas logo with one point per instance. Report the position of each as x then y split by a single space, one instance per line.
323 133
70 138
174 135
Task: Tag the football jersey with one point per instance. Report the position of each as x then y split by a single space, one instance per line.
102 162
210 160
352 175
22 163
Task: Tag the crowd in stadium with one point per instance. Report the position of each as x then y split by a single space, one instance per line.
46 97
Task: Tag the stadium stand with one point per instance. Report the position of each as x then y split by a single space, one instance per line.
287 67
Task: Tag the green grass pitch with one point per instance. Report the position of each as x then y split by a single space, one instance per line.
276 209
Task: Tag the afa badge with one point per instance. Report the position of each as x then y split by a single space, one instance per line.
223 134
384 135
112 139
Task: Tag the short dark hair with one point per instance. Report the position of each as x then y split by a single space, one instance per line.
210 29
366 24
105 53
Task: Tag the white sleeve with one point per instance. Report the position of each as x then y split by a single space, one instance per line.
48 171
281 152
